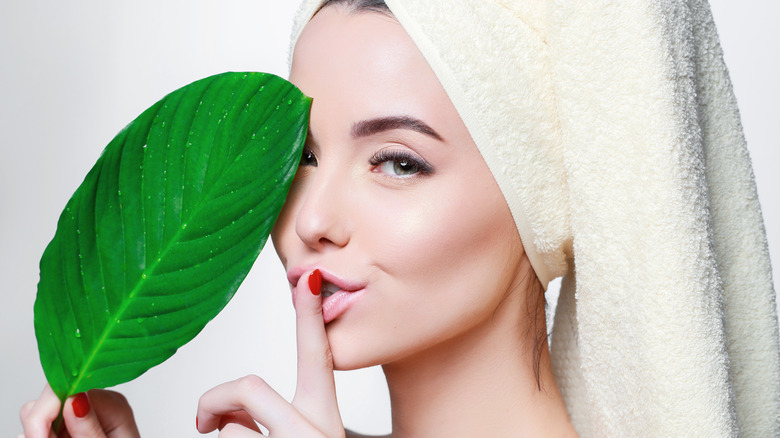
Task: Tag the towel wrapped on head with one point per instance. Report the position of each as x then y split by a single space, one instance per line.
612 131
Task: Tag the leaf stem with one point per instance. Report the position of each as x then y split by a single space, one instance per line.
59 422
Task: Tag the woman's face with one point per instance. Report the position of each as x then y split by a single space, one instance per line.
393 202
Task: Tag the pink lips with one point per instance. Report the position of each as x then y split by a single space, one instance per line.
338 303
341 292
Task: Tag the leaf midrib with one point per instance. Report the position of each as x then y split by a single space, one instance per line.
146 274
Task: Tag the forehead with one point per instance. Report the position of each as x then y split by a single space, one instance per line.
364 65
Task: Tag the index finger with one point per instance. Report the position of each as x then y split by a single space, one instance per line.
315 395
37 418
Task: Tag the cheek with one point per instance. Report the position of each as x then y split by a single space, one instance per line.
454 250
447 263
447 227
283 235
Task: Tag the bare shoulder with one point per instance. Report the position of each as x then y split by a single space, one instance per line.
351 434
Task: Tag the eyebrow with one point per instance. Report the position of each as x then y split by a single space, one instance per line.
370 127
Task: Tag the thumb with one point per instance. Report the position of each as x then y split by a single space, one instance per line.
99 413
80 418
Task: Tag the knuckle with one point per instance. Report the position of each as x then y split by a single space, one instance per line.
36 430
308 312
252 383
25 410
92 428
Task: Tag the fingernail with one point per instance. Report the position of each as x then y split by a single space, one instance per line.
315 282
81 405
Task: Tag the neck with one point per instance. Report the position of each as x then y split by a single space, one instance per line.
482 383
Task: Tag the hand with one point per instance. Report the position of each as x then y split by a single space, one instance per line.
97 414
234 407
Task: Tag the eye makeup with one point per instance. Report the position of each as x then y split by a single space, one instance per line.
404 164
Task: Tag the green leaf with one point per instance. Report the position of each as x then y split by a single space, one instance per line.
164 228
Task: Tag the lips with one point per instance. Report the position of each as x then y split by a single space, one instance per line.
338 293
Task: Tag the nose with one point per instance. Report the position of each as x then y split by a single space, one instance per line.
323 220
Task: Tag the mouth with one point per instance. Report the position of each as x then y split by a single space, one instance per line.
329 289
331 283
338 293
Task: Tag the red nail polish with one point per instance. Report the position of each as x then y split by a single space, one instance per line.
196 422
315 282
81 405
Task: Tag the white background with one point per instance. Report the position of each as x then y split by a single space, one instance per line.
73 73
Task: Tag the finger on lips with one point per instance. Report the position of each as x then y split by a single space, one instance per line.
235 406
315 367
315 282
315 394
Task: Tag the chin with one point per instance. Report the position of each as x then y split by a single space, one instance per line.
351 360
351 351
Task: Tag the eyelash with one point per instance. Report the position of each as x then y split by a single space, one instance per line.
417 165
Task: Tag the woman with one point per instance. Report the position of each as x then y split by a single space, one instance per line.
405 248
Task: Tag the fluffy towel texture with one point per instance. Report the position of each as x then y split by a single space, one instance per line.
611 128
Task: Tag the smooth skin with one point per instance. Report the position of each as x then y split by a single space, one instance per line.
394 201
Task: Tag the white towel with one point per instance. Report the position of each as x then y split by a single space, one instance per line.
612 130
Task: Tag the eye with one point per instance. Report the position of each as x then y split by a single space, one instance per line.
399 164
308 158
398 168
